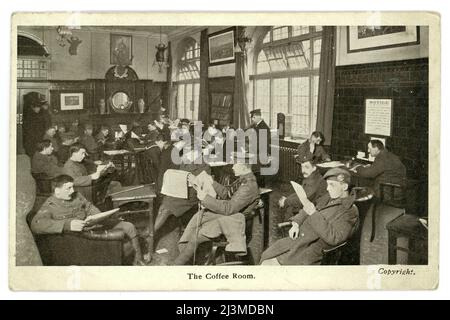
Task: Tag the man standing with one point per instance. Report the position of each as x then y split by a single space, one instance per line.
44 162
316 227
387 167
263 140
221 216
66 210
314 185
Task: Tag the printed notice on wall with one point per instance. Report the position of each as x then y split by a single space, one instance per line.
378 117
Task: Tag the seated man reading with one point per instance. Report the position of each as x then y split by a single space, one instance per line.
44 162
221 217
313 148
316 227
66 210
314 184
178 206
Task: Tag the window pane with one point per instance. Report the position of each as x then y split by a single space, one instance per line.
267 37
262 64
298 55
317 48
315 99
299 30
250 95
318 28
189 103
280 33
280 98
196 101
300 106
181 101
20 73
263 98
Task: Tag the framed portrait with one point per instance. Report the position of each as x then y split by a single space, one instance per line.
378 117
221 46
367 38
71 101
121 49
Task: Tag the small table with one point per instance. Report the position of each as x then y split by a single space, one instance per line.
144 193
408 226
264 193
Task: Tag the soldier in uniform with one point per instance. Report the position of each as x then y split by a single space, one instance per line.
44 162
262 132
222 216
76 169
66 210
313 148
316 227
50 134
314 185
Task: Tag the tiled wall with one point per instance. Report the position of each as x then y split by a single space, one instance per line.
406 82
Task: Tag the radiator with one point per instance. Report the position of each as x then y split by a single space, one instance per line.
289 169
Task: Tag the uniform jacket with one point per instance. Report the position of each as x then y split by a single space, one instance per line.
332 224
78 172
319 154
224 217
46 164
315 187
89 143
386 167
55 214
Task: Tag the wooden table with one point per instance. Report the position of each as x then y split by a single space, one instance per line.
143 193
408 226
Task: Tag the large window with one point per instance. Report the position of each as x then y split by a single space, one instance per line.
287 76
188 79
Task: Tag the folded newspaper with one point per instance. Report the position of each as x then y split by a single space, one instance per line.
175 183
96 218
301 194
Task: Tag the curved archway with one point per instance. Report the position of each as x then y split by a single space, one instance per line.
33 41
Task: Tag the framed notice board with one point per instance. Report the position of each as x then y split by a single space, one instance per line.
221 108
378 117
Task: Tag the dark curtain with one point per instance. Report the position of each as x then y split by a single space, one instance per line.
240 103
325 103
203 108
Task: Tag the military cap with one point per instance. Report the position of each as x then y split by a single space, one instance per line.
184 121
256 112
338 174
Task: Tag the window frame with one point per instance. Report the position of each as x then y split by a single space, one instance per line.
311 73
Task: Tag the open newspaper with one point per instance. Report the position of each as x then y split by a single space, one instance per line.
301 194
96 218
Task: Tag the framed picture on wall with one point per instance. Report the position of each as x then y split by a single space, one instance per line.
71 101
367 38
221 46
121 49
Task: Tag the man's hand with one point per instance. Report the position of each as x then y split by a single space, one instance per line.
294 230
309 208
95 175
282 201
192 179
77 225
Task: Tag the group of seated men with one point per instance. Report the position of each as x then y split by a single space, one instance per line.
328 217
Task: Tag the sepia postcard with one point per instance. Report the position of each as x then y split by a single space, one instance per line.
224 151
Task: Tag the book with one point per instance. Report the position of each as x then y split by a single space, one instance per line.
96 218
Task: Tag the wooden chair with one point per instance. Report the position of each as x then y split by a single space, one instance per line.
396 196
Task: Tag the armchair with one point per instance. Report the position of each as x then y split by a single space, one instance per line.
88 248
